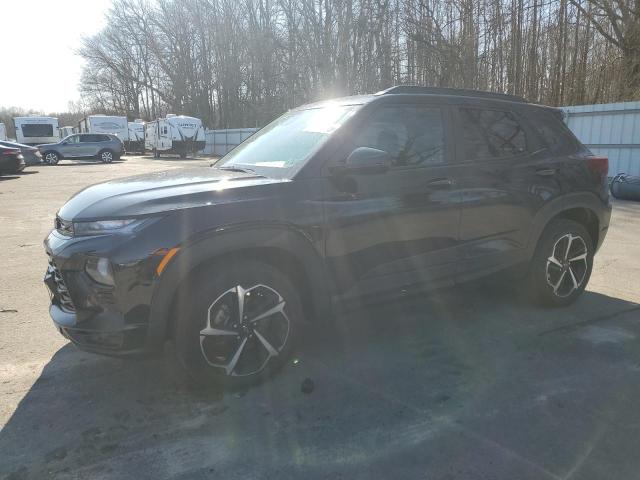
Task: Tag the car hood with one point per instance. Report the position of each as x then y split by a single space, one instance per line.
165 191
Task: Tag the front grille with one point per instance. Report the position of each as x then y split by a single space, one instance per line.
61 290
65 227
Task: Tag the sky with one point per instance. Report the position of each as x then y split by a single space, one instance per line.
38 67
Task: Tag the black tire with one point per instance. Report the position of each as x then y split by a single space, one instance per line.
107 156
553 275
210 303
50 158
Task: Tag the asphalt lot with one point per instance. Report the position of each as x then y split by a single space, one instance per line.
468 383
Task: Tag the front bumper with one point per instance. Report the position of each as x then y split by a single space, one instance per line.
31 159
100 318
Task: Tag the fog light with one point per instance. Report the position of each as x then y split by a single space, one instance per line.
99 269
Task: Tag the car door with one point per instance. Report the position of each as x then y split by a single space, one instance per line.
396 228
71 147
89 145
503 184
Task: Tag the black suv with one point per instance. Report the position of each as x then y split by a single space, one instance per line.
407 189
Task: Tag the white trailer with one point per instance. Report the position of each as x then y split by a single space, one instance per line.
35 130
174 134
136 137
3 132
105 124
66 131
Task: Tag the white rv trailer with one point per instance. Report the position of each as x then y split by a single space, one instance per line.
3 132
136 137
105 124
174 134
35 130
66 131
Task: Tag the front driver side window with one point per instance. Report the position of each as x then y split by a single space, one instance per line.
413 136
73 139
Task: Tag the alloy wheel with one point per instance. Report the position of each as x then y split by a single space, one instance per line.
567 266
106 157
51 158
245 329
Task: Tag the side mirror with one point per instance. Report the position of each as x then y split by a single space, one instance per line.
366 160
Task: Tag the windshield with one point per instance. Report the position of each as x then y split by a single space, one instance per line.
289 141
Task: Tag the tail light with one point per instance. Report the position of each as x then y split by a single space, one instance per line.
11 152
598 165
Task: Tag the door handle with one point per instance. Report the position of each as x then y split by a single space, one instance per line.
440 183
546 172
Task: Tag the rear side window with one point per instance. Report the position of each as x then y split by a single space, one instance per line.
87 138
103 138
413 136
491 134
553 132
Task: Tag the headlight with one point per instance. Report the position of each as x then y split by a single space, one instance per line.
102 227
99 269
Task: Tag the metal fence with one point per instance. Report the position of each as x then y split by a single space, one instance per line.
611 129
219 142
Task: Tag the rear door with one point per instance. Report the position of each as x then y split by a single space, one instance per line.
90 144
399 228
506 179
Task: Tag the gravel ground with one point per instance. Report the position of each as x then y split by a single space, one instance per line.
467 383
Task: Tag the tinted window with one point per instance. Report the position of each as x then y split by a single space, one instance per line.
491 134
554 133
103 138
37 130
73 139
413 136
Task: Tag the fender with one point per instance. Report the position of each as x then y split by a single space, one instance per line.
588 200
228 240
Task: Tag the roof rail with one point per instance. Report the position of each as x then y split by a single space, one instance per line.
464 92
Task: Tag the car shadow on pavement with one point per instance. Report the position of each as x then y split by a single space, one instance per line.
461 377
78 163
177 158
8 177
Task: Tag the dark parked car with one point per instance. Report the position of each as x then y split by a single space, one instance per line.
102 146
408 189
11 160
31 154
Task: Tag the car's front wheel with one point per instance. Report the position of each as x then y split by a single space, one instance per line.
562 264
237 323
51 158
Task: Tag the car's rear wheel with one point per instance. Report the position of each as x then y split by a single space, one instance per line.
562 264
106 156
237 323
51 158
